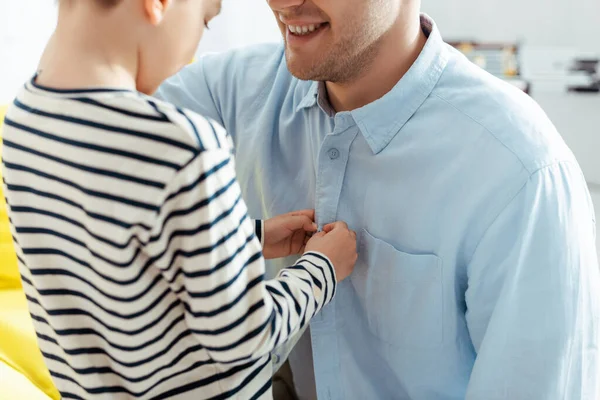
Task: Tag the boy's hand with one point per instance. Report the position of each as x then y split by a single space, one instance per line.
338 243
287 234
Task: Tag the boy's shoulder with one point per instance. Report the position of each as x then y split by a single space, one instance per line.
192 128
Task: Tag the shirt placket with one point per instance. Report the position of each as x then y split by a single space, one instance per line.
331 167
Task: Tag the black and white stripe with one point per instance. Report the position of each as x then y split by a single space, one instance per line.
143 272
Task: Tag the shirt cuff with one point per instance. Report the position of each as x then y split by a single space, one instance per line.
259 230
315 259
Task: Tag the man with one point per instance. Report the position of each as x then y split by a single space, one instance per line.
478 274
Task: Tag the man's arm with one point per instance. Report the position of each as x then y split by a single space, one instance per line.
229 87
190 89
533 302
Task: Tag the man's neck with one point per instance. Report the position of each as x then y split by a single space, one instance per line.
88 54
397 52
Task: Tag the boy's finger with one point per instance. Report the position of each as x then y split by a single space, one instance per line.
335 225
310 227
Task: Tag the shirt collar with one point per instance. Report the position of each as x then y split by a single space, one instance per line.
382 119
310 99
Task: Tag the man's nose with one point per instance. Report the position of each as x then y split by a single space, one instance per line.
280 5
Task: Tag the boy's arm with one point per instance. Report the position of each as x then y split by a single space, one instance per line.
205 245
259 230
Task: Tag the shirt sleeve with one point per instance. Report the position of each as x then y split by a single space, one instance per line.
533 296
205 246
259 231
190 89
230 87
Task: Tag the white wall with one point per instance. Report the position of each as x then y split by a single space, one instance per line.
25 26
595 190
539 22
241 23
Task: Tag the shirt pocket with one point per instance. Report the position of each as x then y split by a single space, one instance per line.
401 293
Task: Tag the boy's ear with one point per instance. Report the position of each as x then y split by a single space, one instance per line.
156 9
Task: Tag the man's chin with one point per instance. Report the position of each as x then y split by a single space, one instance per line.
300 69
302 76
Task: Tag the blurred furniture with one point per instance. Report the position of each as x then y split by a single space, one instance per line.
589 68
499 59
23 374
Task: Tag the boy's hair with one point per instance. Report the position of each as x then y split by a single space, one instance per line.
108 3
101 3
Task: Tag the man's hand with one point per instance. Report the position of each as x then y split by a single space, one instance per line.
287 234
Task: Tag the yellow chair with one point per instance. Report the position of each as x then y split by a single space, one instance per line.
9 273
23 374
14 386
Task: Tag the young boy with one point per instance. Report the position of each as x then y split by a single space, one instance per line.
143 273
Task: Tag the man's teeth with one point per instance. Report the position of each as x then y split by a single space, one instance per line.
303 30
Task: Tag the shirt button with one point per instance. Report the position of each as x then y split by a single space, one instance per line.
333 153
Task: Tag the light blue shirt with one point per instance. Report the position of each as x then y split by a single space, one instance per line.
478 274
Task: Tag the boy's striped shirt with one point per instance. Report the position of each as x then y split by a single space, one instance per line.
143 272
